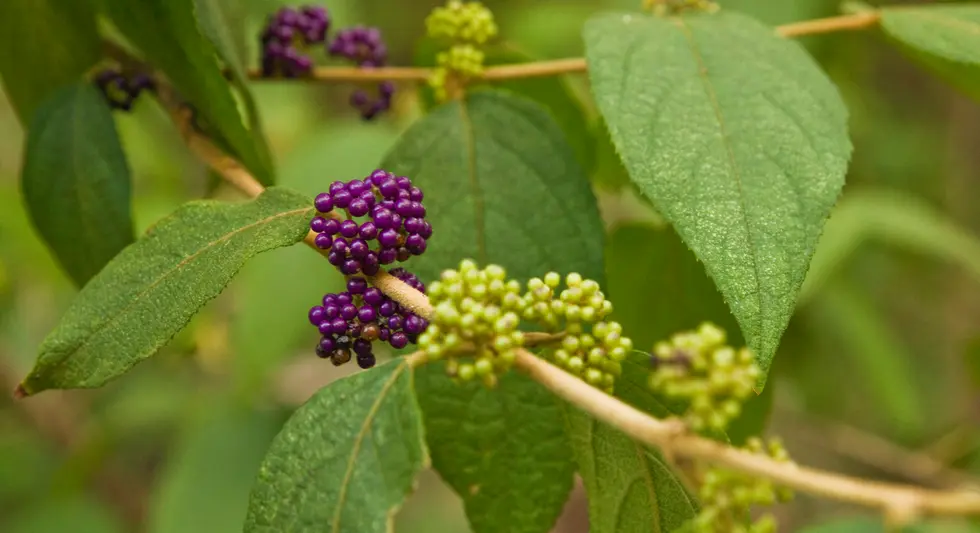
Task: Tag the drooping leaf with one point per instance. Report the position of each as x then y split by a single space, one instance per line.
205 485
630 487
504 451
944 38
47 45
894 219
346 460
737 138
148 292
168 34
76 181
501 186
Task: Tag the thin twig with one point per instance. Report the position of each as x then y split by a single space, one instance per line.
551 67
898 502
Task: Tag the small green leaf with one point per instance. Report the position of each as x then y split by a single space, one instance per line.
501 186
738 139
346 460
943 38
148 292
504 451
205 484
48 44
76 181
167 32
630 487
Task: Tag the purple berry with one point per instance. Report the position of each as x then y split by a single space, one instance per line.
359 249
366 360
331 226
415 194
354 329
336 187
404 208
385 334
323 202
323 241
344 298
413 225
325 327
356 187
338 326
331 311
378 177
335 258
403 254
387 308
361 346
350 267
321 353
341 199
389 189
339 247
327 344
387 256
388 238
398 340
316 315
396 221
358 207
404 182
414 242
426 230
373 297
395 322
329 299
318 224
349 229
419 248
413 325
382 218
368 230
357 285
348 312
366 314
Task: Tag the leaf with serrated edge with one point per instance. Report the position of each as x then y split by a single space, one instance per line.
737 138
167 33
47 45
149 292
501 186
346 460
76 181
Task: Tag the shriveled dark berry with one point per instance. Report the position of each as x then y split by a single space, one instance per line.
340 356
366 361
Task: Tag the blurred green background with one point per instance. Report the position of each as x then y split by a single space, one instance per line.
878 374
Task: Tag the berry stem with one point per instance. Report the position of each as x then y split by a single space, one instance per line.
555 67
671 435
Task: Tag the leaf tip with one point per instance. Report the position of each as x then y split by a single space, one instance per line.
21 392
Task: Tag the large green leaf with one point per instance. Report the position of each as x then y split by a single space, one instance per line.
346 459
47 44
76 181
738 139
943 38
630 487
205 485
501 186
151 289
504 451
167 32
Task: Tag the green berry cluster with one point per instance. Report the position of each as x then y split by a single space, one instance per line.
479 309
468 25
727 496
592 348
469 22
698 367
665 8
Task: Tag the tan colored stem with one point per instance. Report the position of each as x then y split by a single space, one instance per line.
554 67
897 502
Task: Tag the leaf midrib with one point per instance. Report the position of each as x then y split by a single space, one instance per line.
479 214
730 152
175 268
359 440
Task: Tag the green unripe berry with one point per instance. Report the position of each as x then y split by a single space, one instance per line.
597 356
483 366
552 279
466 372
573 279
575 365
495 273
562 358
570 343
573 313
593 376
588 314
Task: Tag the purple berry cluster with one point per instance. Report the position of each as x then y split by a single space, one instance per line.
288 30
121 91
354 319
365 48
391 213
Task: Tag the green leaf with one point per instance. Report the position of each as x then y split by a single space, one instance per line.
76 181
167 32
630 487
205 485
943 38
501 186
504 451
738 139
151 289
895 219
48 44
346 460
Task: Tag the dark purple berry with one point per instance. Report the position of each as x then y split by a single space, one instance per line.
354 330
387 308
378 177
334 258
316 315
336 187
404 208
332 226
331 311
366 314
339 247
385 334
344 298
359 249
341 199
387 256
426 230
356 187
361 346
323 241
366 360
398 340
373 297
395 322
357 285
321 353
368 231
413 324
338 326
415 194
349 229
382 218
370 264
403 254
388 238
414 225
404 182
389 189
358 207
414 242
325 328
350 267
348 312
326 344
318 224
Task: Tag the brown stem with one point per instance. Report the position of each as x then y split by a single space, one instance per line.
856 21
